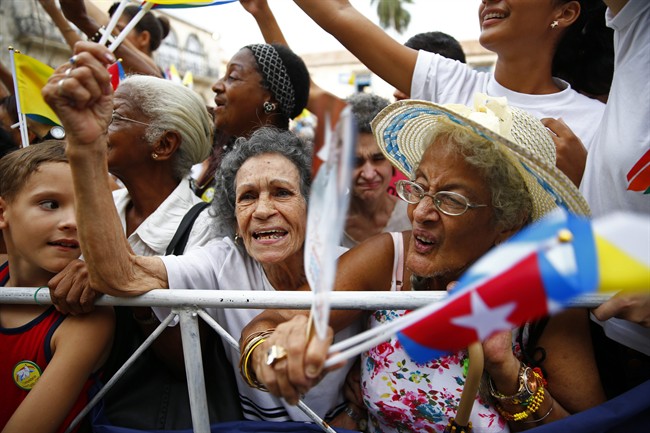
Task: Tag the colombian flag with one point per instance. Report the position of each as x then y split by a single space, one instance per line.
534 274
31 75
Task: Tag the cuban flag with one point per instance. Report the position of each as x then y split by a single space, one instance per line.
534 274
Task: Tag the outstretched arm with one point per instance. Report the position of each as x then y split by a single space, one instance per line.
383 55
88 18
69 34
83 100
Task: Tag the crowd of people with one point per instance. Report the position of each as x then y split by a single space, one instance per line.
440 177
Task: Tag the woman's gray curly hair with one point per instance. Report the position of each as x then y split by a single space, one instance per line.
170 106
264 140
511 201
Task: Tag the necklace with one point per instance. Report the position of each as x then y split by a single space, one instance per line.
347 235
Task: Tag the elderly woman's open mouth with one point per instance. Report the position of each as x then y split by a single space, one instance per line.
270 234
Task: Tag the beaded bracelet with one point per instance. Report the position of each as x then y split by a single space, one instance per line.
543 417
531 405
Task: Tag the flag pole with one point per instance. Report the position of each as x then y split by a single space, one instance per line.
134 21
113 22
22 119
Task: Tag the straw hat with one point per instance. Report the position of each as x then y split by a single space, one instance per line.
404 129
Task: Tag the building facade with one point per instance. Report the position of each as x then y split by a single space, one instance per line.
27 27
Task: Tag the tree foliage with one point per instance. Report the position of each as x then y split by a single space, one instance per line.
392 14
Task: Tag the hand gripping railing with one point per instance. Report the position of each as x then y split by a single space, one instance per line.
189 304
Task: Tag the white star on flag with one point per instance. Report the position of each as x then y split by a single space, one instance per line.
485 320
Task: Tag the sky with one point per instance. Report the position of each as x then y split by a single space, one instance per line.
235 27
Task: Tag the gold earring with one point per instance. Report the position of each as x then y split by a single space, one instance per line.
154 155
554 24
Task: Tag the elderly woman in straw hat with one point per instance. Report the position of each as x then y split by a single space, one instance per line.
477 176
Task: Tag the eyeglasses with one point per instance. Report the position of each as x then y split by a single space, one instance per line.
116 116
447 202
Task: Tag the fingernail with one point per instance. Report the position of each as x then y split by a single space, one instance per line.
311 371
110 57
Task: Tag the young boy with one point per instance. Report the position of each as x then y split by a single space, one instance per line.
47 360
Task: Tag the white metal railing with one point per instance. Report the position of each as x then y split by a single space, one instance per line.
188 305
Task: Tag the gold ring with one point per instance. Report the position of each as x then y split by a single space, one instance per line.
275 354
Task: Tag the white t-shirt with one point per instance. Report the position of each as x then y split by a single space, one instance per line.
614 178
223 266
155 233
445 81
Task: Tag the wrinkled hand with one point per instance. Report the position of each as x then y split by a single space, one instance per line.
634 307
70 289
571 153
81 93
301 369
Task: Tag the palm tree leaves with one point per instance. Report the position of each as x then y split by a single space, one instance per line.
392 14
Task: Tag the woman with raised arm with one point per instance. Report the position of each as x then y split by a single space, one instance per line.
372 210
529 38
263 185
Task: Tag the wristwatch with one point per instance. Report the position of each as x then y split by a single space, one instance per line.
56 133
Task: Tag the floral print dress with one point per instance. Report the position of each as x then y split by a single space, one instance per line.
404 396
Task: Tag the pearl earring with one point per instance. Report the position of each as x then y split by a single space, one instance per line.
269 107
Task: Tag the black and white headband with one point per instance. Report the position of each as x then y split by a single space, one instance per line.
275 73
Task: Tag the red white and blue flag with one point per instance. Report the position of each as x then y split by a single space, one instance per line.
535 273
532 275
117 73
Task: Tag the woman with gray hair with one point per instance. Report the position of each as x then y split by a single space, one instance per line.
476 177
157 131
262 195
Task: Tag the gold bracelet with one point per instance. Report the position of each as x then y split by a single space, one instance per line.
531 405
245 369
528 384
247 372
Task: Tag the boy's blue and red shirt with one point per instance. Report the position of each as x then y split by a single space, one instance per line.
4 273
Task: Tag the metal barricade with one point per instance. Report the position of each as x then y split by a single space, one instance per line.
189 305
